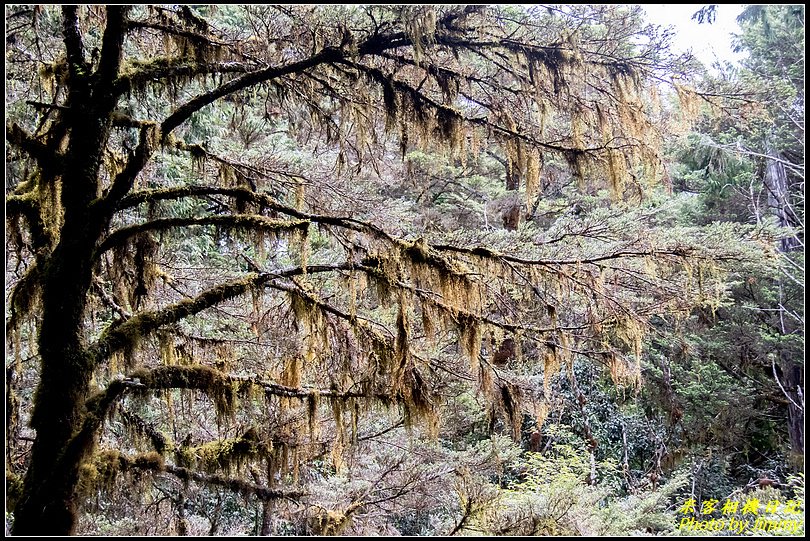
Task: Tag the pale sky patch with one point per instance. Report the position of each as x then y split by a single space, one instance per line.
708 42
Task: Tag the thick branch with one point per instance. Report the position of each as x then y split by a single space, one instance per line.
159 441
175 68
28 206
374 44
127 334
263 200
149 135
113 459
487 253
111 45
124 180
219 386
146 146
246 221
22 296
34 148
154 463
236 485
204 378
73 41
186 110
22 204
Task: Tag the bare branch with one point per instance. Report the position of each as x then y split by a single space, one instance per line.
109 301
196 37
784 392
684 251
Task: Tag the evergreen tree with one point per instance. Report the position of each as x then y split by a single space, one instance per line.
209 282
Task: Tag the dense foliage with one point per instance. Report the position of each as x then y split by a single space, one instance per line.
397 270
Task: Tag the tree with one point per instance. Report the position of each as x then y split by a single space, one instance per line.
750 153
777 75
139 145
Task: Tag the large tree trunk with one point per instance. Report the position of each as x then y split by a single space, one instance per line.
267 517
47 505
776 182
794 380
48 501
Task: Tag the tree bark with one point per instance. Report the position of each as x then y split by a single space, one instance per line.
267 516
794 378
776 182
48 501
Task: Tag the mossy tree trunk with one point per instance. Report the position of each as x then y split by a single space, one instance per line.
65 430
48 503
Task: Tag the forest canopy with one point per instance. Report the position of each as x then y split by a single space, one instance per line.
377 270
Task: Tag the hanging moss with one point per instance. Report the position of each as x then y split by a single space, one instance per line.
428 324
450 130
167 350
402 341
228 455
390 102
470 336
631 333
551 365
420 26
300 239
23 300
329 523
313 402
510 402
534 165
102 470
216 385
313 321
417 400
340 434
140 429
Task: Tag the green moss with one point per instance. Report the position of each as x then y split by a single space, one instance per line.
147 461
228 454
14 489
103 470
